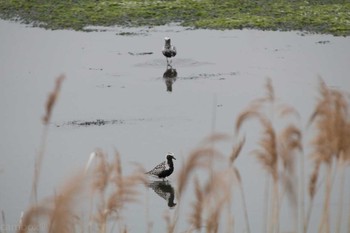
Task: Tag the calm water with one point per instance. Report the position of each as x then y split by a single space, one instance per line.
119 81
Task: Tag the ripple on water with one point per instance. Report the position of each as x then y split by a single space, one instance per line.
181 62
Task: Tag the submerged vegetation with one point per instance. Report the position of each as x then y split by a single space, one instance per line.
321 16
280 151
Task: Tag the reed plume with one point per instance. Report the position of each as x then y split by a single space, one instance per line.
50 103
200 158
125 186
210 199
273 146
124 189
56 213
290 145
216 192
196 216
331 120
52 98
236 150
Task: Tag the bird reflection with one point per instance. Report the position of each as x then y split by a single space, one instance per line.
169 77
164 190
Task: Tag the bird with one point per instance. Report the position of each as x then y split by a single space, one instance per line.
163 169
169 50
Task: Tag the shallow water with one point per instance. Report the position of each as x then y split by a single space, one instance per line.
115 96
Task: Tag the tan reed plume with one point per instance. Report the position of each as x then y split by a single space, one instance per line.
56 214
331 119
51 100
274 147
199 158
195 218
124 189
236 150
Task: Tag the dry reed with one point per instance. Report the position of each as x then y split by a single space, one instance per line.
274 148
56 213
124 189
236 150
331 119
50 103
52 98
200 158
210 200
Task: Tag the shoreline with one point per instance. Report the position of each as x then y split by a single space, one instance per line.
322 17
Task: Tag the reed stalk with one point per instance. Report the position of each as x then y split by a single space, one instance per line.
50 103
340 200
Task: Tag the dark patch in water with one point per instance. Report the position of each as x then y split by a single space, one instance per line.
140 54
104 86
92 30
126 34
98 122
102 122
323 42
98 69
207 76
131 34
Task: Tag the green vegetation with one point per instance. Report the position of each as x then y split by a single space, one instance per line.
322 16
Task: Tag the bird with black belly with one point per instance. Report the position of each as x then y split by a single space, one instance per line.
169 50
163 169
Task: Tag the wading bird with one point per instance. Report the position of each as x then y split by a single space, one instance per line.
163 169
169 50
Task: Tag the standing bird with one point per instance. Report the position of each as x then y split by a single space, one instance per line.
168 51
165 168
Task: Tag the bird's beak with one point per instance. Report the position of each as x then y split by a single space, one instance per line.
174 157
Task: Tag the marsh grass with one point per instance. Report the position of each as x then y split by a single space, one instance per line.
280 152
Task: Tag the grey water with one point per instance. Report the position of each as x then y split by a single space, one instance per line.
119 95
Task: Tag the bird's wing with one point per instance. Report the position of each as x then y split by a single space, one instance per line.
158 169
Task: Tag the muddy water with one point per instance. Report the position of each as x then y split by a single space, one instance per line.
118 94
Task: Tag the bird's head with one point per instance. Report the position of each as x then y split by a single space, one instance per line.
167 40
170 156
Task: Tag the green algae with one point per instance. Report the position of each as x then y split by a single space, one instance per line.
323 16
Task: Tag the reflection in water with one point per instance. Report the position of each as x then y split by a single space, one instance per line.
164 190
169 77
